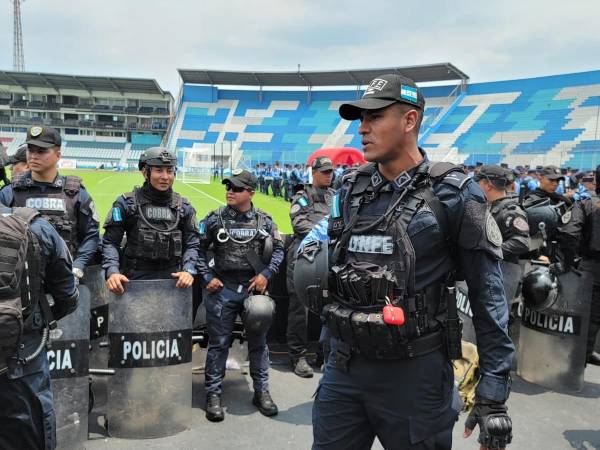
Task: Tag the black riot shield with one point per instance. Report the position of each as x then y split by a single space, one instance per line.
68 360
511 277
552 342
150 337
99 298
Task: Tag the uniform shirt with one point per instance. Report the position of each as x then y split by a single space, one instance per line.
88 226
471 252
209 227
582 233
309 206
123 217
512 221
58 281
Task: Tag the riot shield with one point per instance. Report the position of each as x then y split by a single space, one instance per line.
511 277
552 342
465 314
150 350
68 360
95 282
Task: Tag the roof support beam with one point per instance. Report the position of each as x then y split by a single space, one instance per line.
80 83
17 82
49 83
114 85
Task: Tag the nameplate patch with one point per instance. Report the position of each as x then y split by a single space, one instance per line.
561 324
46 204
242 233
371 244
68 359
163 348
462 303
159 213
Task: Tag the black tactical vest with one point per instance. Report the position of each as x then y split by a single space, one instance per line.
240 246
56 204
593 232
155 238
319 202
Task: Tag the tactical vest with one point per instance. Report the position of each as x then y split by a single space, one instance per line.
591 241
241 246
319 202
375 252
155 240
20 278
56 204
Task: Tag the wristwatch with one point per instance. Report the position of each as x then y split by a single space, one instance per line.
77 272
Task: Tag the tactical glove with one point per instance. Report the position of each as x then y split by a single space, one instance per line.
495 426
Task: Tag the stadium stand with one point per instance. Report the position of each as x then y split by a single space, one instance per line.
545 120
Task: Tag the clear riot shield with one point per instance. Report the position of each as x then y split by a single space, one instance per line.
511 277
552 342
68 360
99 298
150 341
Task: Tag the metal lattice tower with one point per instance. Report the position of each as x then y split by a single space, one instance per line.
18 55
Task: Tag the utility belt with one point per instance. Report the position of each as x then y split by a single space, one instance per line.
131 265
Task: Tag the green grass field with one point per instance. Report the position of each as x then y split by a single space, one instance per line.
105 186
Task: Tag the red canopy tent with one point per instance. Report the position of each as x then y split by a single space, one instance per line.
339 155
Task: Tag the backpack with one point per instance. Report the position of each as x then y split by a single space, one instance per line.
19 276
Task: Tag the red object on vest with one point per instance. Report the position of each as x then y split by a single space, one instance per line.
393 315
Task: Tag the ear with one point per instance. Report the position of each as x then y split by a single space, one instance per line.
411 118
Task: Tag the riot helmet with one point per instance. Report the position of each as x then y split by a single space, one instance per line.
310 275
540 289
157 156
541 211
258 314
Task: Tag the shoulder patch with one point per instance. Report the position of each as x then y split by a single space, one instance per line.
520 224
295 208
492 231
116 215
456 179
302 201
202 227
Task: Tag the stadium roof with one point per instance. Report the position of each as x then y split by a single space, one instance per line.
426 73
27 80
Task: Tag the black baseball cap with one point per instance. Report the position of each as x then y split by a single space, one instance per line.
322 163
551 172
499 176
44 137
383 91
20 156
242 178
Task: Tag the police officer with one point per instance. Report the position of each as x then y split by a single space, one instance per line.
581 235
402 227
309 206
247 252
510 217
160 226
18 162
277 172
62 200
27 414
548 183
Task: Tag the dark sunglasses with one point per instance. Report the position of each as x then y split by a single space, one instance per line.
237 190
326 172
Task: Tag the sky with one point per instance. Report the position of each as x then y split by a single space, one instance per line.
488 40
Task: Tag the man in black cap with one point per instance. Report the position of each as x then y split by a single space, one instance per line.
309 205
62 200
550 176
18 162
247 251
511 220
402 228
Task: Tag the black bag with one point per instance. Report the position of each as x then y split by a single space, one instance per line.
19 275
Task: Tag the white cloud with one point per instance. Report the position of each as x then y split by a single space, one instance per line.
152 38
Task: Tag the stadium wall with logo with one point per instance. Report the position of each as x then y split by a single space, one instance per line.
543 120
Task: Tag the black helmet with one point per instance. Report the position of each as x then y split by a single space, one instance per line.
540 289
258 314
541 211
310 275
157 156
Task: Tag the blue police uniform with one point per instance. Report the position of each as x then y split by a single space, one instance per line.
277 172
164 241
27 414
404 394
67 205
232 236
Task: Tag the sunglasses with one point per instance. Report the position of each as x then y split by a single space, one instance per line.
237 190
326 172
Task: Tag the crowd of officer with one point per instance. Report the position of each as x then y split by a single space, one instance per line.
397 231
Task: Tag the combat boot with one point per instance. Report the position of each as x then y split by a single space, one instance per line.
214 411
594 359
265 404
301 368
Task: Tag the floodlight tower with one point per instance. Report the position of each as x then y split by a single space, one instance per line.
18 55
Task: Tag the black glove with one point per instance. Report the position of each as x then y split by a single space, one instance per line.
495 426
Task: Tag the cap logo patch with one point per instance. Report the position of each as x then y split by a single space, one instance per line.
36 131
408 93
376 85
237 172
